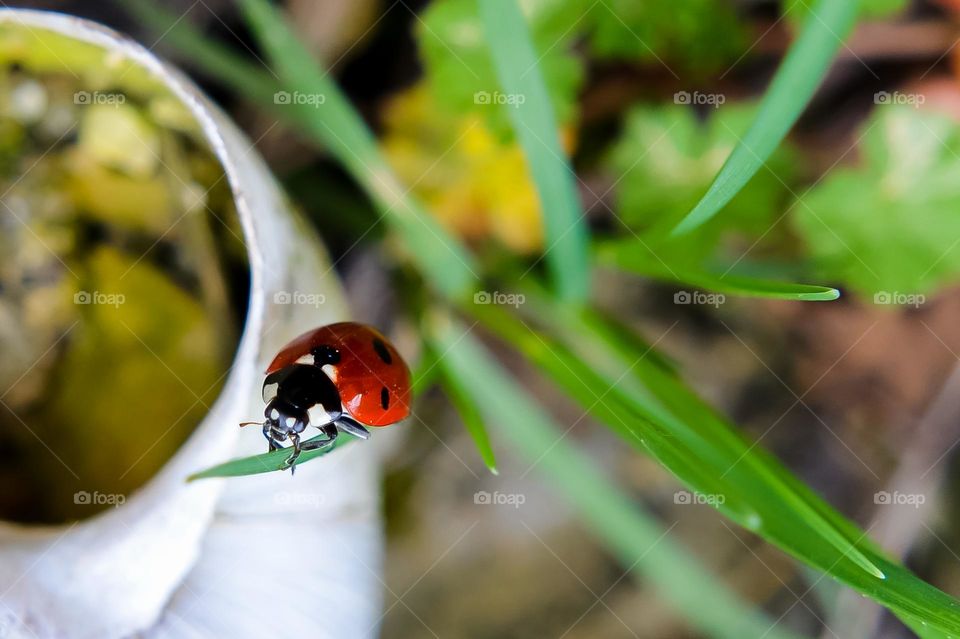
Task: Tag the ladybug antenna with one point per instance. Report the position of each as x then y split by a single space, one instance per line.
242 424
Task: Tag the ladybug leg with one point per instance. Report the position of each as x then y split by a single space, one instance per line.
290 462
352 426
271 438
329 430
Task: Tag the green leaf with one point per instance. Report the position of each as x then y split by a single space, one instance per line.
268 462
654 411
792 87
534 123
888 227
633 256
459 395
461 73
636 538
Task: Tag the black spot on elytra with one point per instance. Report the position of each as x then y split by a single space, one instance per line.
382 351
385 398
325 354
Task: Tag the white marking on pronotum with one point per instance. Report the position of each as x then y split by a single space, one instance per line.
270 391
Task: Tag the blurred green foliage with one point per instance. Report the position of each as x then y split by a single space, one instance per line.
796 11
666 158
460 71
889 223
696 37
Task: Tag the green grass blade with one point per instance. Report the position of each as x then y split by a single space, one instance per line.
471 415
267 462
426 372
654 411
535 124
637 539
923 630
629 255
658 427
219 61
805 64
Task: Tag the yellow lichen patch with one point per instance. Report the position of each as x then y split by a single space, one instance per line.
118 137
138 203
94 68
477 185
138 371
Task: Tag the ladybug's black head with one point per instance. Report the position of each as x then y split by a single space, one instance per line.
298 395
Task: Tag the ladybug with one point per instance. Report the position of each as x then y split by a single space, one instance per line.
339 377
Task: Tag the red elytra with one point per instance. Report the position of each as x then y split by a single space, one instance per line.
371 377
